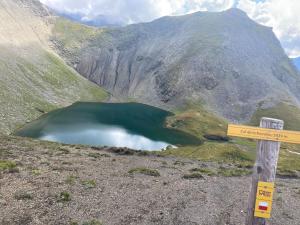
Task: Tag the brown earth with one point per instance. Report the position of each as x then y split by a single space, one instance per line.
54 184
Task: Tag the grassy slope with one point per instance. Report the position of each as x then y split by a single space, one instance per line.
32 85
196 120
241 152
290 114
72 37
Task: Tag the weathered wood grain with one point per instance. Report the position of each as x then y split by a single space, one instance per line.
264 168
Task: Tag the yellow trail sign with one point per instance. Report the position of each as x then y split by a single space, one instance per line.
264 199
263 134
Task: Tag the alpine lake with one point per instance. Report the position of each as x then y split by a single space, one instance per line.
132 125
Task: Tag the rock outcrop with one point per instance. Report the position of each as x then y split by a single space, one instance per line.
223 59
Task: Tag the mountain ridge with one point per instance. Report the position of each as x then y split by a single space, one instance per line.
222 59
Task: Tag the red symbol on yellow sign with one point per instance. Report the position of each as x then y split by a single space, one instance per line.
264 198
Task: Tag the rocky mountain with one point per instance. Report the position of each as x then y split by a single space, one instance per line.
223 60
33 78
296 61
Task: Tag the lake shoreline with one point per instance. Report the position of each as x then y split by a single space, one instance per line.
131 125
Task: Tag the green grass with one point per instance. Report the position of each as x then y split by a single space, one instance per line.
36 172
205 171
73 35
145 171
240 152
288 113
7 165
233 172
71 179
93 222
64 78
64 197
97 155
224 172
41 83
23 196
193 176
289 163
214 151
89 184
194 119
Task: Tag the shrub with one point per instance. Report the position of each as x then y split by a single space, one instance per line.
23 196
193 176
71 179
145 171
93 222
7 165
206 171
89 183
233 172
64 197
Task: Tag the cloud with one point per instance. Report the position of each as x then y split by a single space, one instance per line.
282 15
135 11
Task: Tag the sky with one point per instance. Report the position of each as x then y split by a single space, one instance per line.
282 15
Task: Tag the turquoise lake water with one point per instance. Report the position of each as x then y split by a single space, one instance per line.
131 125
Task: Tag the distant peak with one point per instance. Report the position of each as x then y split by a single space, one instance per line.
235 11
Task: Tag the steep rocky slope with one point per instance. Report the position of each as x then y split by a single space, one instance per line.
33 79
225 60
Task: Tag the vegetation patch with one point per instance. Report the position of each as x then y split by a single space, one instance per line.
72 35
233 172
179 163
64 197
290 114
205 171
97 155
287 173
63 151
193 176
8 165
289 161
194 119
23 196
55 85
71 180
93 222
89 183
145 171
36 172
215 151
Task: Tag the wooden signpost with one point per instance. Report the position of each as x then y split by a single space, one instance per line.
270 134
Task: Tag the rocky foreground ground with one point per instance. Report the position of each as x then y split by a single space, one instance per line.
43 183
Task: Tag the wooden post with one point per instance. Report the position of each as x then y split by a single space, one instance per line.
264 168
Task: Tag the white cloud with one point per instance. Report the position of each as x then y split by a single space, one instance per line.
282 15
134 11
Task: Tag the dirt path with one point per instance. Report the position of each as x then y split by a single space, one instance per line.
54 184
